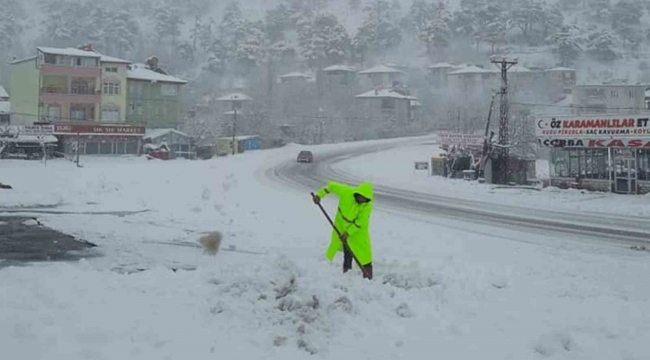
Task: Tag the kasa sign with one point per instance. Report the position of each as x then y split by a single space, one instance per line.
597 143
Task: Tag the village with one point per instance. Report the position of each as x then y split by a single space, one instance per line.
75 102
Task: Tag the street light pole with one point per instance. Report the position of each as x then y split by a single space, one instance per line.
234 128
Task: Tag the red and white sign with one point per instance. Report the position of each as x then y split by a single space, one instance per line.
448 138
84 129
632 143
593 126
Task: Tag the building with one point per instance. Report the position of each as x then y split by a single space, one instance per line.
471 81
560 80
608 98
5 108
154 97
438 74
384 112
82 94
380 76
178 142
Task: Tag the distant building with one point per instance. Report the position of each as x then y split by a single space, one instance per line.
383 112
380 76
608 98
438 74
471 81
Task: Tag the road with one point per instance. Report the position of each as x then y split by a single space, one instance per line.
591 228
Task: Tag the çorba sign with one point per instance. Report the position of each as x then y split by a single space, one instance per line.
83 129
597 143
579 127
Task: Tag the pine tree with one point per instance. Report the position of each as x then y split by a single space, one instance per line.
379 31
232 29
600 43
123 30
437 32
599 10
492 25
325 41
568 44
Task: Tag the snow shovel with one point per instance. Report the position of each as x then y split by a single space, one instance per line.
345 243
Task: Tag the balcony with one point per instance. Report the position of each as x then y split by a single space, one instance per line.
57 95
75 71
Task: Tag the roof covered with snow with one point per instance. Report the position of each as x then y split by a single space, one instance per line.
471 69
30 139
156 133
380 69
140 72
295 75
520 69
17 61
114 60
339 68
560 68
442 65
234 97
3 92
68 52
385 94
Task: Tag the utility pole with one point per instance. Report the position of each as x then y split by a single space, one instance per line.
234 127
502 152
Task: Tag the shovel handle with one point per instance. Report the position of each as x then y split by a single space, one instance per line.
344 242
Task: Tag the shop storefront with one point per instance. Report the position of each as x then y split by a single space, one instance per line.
99 139
603 153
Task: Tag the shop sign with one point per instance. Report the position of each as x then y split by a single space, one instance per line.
84 129
32 130
421 165
632 143
593 127
449 138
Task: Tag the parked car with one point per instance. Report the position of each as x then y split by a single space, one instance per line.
305 157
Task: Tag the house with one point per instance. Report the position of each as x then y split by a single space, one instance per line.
5 107
178 142
338 77
561 77
380 76
154 97
81 93
438 74
610 98
244 143
471 81
383 112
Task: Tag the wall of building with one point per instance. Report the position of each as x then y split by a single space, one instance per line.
609 98
115 101
24 92
148 105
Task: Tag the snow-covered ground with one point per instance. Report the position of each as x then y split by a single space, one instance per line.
395 168
441 289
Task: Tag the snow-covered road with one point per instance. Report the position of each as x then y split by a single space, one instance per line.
443 288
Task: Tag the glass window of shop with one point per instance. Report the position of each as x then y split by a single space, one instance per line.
580 163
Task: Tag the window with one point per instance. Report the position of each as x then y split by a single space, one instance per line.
613 94
136 90
132 147
50 59
79 87
135 108
78 114
111 69
106 147
387 103
630 93
111 88
169 90
110 115
92 148
78 61
595 92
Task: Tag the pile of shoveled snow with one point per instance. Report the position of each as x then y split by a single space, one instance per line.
272 308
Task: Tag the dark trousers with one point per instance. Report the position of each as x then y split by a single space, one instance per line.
347 264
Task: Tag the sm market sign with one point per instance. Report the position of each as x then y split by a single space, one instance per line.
620 142
593 126
450 138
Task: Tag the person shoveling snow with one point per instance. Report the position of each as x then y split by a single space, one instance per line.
350 233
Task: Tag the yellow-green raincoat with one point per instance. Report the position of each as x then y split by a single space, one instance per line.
352 218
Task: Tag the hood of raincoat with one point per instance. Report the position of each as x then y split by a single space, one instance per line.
364 189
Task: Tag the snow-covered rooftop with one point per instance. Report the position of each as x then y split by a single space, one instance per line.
30 139
234 96
560 68
239 138
17 61
380 69
471 69
339 68
5 107
3 92
156 133
442 65
520 69
110 59
140 72
295 75
385 94
68 52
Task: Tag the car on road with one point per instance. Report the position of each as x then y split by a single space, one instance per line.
305 156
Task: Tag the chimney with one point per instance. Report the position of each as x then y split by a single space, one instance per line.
87 47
